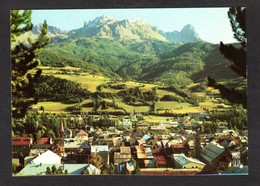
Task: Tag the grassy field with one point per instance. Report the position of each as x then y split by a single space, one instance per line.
178 107
84 108
56 107
161 93
157 119
130 108
89 82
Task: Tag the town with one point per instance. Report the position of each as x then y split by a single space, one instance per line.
177 146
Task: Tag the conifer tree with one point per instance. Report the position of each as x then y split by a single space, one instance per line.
236 54
23 58
237 17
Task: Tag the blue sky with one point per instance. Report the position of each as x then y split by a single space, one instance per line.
212 24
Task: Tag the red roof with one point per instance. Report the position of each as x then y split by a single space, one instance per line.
182 131
21 141
140 152
58 149
177 146
44 141
81 133
160 160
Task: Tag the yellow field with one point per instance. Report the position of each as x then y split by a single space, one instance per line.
157 119
161 93
201 94
178 107
130 108
56 107
89 82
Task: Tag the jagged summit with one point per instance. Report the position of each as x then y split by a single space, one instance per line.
186 35
51 30
137 29
100 21
188 27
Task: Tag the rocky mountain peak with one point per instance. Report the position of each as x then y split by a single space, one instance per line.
100 21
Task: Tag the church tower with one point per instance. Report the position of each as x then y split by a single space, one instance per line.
62 132
197 145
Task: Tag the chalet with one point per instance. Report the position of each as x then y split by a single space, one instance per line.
123 156
160 158
59 150
81 135
157 129
144 156
72 145
73 169
43 143
213 156
183 162
21 145
101 150
108 139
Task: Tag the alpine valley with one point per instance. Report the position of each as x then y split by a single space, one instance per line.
112 48
119 65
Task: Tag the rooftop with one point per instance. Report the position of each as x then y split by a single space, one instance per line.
73 169
98 148
44 141
21 141
81 133
211 151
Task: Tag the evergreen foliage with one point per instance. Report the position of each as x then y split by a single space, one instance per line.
24 60
50 88
237 17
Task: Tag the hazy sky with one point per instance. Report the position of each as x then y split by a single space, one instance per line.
212 24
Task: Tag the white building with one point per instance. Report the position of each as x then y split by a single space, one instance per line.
47 157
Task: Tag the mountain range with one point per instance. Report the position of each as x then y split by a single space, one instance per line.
108 27
116 48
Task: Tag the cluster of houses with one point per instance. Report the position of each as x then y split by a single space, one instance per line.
184 152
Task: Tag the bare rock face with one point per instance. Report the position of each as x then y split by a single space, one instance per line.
186 35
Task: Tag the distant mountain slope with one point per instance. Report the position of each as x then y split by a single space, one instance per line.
189 63
186 35
52 58
121 57
55 34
